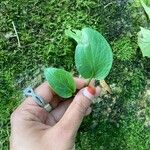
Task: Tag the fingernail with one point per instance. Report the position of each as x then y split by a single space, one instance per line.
89 92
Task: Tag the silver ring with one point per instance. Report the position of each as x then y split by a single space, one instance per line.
38 99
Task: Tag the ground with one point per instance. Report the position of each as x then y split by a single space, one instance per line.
120 121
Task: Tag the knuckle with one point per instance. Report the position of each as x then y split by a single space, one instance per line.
81 107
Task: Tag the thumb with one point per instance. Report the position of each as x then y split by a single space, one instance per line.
77 109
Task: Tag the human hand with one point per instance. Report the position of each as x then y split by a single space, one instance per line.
33 128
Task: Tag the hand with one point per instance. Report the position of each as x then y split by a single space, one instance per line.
33 128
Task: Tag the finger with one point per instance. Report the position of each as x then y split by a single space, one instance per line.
89 110
56 114
46 93
77 110
80 83
33 109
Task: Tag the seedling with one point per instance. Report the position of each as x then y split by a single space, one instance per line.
93 60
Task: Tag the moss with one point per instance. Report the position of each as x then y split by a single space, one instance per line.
135 135
123 49
129 134
9 100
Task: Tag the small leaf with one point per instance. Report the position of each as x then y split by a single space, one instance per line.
146 8
93 55
144 41
60 81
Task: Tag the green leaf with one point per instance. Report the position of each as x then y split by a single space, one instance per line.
76 34
146 8
144 41
60 81
93 55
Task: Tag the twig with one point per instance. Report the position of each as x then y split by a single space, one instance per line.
19 45
108 4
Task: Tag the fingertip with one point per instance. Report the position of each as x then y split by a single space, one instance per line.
88 93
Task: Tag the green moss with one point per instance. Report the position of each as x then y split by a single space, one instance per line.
129 134
123 49
9 100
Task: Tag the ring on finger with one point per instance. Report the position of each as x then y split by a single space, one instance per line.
37 99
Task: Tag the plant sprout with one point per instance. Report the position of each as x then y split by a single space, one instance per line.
93 60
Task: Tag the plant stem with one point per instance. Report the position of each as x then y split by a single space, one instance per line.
89 81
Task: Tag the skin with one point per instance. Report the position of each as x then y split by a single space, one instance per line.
33 128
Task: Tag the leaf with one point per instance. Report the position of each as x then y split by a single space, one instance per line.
93 55
105 86
146 8
76 34
60 81
144 41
